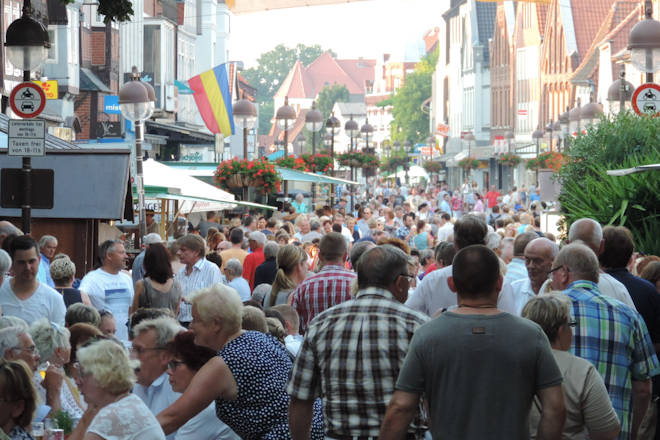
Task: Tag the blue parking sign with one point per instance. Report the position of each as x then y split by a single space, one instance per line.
111 105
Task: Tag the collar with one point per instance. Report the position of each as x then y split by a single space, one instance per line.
617 270
44 257
375 291
199 263
334 267
159 382
582 284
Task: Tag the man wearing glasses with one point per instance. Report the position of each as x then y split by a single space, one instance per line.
148 346
609 334
352 352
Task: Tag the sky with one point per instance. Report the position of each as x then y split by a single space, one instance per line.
357 29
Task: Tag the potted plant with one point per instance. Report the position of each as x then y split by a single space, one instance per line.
318 163
232 173
550 159
292 162
235 173
468 163
432 167
510 159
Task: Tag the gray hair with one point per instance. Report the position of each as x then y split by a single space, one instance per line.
235 267
358 249
270 249
550 311
5 263
219 302
49 336
9 339
45 239
13 321
80 312
62 270
589 231
108 247
380 266
257 236
260 292
165 328
580 260
493 240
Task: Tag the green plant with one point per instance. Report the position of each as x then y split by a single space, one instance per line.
549 159
625 141
432 166
63 421
468 163
358 159
510 159
292 162
260 174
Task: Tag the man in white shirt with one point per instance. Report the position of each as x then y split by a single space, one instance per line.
446 228
148 346
539 255
433 294
590 232
516 269
23 295
109 288
338 219
197 273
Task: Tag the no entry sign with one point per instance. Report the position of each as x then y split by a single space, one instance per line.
27 100
646 100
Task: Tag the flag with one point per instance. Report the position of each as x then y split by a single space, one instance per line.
211 93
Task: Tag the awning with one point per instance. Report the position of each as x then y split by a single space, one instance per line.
195 204
181 130
302 176
89 82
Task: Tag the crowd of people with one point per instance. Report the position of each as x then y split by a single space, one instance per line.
418 313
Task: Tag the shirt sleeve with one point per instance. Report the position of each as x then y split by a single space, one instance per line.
305 382
547 371
506 301
644 361
88 286
417 300
599 415
411 376
58 310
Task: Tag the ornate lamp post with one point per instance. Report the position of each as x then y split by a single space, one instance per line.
351 128
299 143
136 102
620 93
407 146
574 117
366 130
285 115
27 44
644 43
245 115
509 137
314 123
332 125
556 130
590 114
564 122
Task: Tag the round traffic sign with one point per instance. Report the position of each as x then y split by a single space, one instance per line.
646 100
27 100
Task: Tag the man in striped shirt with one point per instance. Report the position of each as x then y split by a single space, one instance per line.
197 273
329 287
609 334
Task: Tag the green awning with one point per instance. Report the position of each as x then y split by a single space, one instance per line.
302 176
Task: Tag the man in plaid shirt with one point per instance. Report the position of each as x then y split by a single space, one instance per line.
609 334
352 353
329 287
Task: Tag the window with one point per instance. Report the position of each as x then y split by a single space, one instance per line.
52 52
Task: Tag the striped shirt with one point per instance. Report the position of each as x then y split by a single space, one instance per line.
204 274
614 338
351 357
329 287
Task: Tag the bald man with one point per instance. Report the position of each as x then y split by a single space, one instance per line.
538 255
590 232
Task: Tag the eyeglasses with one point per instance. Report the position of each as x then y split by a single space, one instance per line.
407 275
173 364
140 350
77 367
32 349
572 323
552 271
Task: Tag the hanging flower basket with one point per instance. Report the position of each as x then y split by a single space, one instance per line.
510 159
236 174
468 163
318 163
236 181
291 162
551 159
432 166
369 161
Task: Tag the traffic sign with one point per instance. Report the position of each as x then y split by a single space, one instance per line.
646 100
27 137
27 100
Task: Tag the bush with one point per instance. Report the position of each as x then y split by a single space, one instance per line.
624 141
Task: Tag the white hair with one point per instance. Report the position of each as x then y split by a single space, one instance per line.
235 267
493 240
5 263
45 239
9 339
13 321
165 328
48 337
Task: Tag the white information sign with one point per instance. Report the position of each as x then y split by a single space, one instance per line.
27 137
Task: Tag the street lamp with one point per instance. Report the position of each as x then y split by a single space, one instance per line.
332 125
245 115
469 137
644 44
27 44
285 115
590 114
351 128
136 103
564 122
556 129
407 145
314 123
574 117
430 141
620 93
548 129
299 143
509 136
366 130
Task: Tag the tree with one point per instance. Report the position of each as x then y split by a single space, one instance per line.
272 68
328 96
112 10
410 122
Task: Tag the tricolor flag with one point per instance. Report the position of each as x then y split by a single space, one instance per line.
213 99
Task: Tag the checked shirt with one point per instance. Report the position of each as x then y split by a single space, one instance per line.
613 337
351 356
329 287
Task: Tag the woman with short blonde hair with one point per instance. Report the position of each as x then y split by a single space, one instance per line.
247 379
105 377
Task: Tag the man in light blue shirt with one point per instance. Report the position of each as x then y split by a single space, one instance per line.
148 346
516 269
47 248
299 204
233 272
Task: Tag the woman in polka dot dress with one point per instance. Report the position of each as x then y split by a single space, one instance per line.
247 379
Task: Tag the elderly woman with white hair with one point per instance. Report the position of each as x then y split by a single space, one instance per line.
247 379
105 377
5 265
52 343
63 273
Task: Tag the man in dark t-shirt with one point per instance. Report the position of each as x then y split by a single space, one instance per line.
479 368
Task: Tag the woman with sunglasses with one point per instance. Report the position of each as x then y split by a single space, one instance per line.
588 405
187 359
